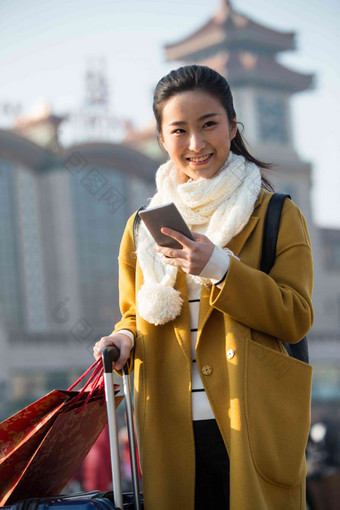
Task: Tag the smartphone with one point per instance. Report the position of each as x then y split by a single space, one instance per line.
166 215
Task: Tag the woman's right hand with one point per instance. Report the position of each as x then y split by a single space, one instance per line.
124 344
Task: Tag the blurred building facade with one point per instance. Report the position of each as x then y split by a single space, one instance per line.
62 212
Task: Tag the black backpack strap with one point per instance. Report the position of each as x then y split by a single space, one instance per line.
136 223
270 234
271 231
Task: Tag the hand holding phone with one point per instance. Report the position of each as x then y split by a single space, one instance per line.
165 216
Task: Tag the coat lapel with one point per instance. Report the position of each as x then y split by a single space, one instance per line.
182 322
235 245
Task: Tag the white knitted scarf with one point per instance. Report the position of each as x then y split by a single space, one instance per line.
226 201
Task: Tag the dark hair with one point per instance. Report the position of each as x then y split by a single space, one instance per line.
195 77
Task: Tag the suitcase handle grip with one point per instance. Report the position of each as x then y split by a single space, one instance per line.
110 353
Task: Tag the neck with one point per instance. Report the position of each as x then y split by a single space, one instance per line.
181 176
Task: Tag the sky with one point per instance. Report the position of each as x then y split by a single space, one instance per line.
46 46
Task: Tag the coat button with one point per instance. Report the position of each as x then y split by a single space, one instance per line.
230 353
207 370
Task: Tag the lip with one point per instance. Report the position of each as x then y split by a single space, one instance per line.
200 163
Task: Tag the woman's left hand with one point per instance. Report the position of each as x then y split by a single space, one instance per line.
194 255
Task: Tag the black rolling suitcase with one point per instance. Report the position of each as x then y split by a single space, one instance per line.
96 500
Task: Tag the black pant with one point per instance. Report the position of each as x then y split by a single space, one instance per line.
212 467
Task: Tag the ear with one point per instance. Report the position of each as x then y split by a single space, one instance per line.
233 128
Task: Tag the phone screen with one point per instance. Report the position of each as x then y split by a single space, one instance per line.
165 216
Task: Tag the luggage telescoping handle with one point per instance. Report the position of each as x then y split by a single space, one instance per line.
110 354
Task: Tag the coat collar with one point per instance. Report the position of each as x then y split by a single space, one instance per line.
182 322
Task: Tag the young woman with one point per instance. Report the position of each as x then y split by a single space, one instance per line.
222 411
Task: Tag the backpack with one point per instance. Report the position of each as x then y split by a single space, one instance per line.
270 233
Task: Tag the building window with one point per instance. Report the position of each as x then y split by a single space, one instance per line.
98 231
331 248
11 300
336 255
272 120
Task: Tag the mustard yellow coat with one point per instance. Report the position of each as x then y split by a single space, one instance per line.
260 396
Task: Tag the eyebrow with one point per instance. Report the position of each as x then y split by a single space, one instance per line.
182 122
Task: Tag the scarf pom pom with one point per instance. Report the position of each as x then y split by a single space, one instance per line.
159 304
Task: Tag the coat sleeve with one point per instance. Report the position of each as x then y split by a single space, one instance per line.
126 280
278 304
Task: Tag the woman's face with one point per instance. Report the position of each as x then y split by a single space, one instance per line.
196 133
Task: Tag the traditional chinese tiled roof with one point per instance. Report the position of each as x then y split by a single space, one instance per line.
246 68
230 29
242 50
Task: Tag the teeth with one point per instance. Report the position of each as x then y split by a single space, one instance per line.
198 160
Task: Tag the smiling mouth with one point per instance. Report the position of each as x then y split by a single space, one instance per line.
201 159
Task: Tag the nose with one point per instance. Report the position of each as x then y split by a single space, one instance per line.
196 142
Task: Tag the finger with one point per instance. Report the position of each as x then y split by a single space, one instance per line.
124 345
96 351
122 360
197 235
171 253
181 238
200 237
99 346
169 261
183 263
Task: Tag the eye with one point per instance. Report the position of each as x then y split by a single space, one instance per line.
210 123
178 131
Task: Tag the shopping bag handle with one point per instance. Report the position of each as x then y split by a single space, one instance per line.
111 354
96 367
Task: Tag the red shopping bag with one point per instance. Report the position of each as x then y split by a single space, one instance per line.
43 445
